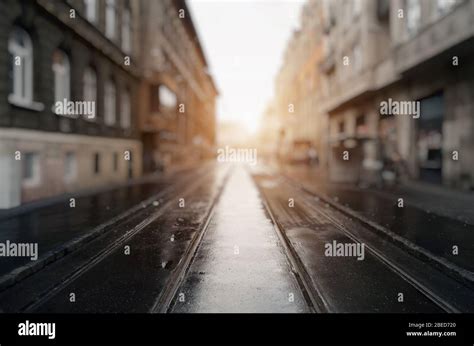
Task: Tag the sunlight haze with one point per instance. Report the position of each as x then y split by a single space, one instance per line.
244 44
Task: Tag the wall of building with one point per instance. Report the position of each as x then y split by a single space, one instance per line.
115 163
186 133
376 50
37 128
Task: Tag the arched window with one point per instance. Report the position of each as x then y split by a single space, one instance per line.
125 110
110 13
126 30
20 49
110 103
90 90
91 10
62 78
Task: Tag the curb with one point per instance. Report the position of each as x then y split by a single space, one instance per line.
64 197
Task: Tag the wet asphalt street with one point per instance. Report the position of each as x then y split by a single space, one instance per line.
422 225
104 277
236 244
240 265
385 279
52 225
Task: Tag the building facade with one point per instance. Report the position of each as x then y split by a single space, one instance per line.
68 87
177 93
298 89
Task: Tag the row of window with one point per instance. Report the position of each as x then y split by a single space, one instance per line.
92 15
360 125
21 81
413 8
31 172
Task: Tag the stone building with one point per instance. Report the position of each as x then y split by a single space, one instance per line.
432 58
413 53
81 54
356 62
177 108
298 89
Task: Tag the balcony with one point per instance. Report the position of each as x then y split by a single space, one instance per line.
355 87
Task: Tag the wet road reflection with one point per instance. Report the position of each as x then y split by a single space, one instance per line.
53 225
436 233
240 265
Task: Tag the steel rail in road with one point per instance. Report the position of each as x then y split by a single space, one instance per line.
23 272
194 184
454 270
167 296
311 291
401 272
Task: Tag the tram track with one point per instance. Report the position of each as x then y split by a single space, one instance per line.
443 304
312 293
310 282
20 273
167 296
241 264
96 250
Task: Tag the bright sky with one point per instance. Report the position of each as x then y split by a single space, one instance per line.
244 42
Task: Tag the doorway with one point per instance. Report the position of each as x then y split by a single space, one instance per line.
430 139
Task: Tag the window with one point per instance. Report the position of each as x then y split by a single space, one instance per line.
357 7
116 162
341 127
126 30
125 110
110 103
20 49
31 169
96 163
70 167
357 57
154 99
130 165
110 9
360 120
413 16
167 97
361 127
61 72
91 10
90 89
444 6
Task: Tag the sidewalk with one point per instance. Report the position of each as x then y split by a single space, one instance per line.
439 200
430 217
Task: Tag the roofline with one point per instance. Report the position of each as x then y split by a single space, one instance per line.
181 4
